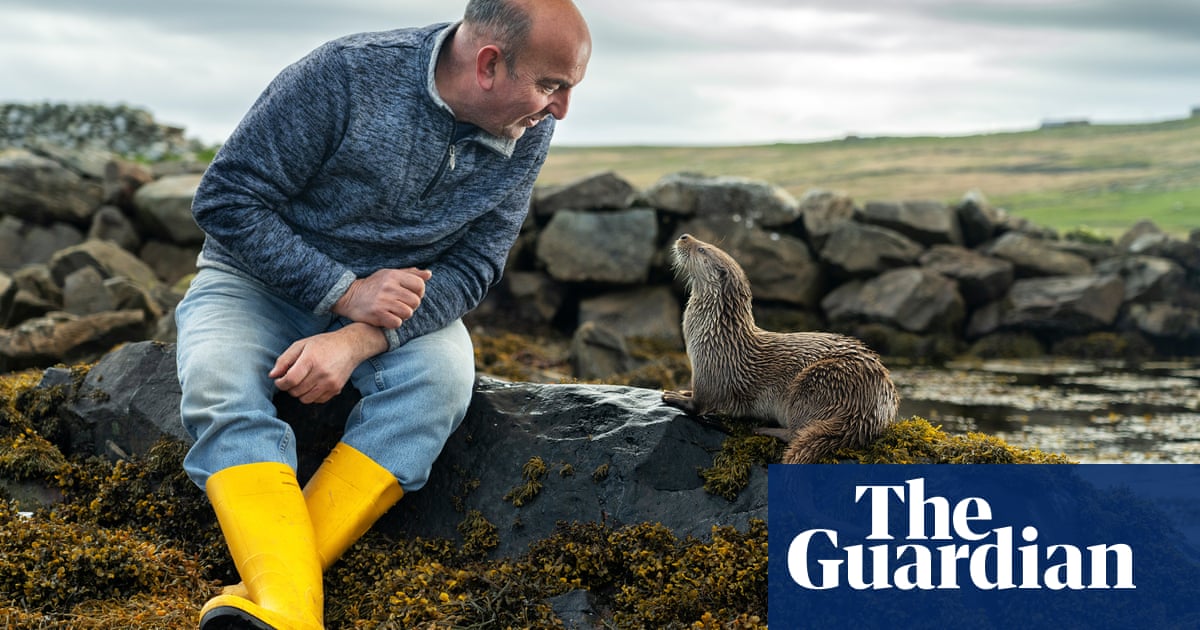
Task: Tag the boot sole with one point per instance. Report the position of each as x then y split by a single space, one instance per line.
230 618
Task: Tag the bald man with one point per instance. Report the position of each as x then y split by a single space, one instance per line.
364 204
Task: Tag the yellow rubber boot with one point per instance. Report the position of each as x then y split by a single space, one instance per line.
264 518
345 496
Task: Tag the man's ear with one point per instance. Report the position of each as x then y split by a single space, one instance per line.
487 65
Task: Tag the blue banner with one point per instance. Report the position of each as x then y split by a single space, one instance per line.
984 546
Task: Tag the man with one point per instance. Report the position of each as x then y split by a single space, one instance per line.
364 204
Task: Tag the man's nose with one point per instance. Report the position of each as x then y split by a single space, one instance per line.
560 102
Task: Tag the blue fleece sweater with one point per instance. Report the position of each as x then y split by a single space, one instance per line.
347 164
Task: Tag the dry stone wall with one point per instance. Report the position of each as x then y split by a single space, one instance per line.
86 234
120 129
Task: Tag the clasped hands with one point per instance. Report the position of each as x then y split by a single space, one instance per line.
315 369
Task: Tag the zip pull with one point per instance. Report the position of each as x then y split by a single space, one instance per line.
452 152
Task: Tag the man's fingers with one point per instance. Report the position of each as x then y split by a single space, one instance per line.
285 361
385 298
403 310
425 274
288 372
414 280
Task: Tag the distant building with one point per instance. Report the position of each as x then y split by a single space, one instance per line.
1196 111
1059 124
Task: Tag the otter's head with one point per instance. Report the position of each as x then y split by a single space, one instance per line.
707 269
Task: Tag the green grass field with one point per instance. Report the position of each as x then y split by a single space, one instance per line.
1101 177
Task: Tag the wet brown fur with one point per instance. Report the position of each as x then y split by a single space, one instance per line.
826 391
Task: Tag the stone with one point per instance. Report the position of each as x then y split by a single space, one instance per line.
536 296
1161 245
36 296
646 312
1069 304
855 250
8 295
523 300
122 179
781 268
739 198
26 306
42 191
980 278
110 224
1034 257
165 207
65 338
1166 321
978 219
599 352
11 239
125 294
926 222
650 454
37 280
1093 252
106 257
128 401
601 191
170 262
1147 278
88 162
23 243
41 243
1140 231
914 299
985 320
577 609
84 293
613 247
821 212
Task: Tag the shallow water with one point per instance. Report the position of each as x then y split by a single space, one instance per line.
1090 411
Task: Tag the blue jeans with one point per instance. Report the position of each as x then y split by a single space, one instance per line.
231 331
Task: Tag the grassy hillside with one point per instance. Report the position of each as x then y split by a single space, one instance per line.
1102 177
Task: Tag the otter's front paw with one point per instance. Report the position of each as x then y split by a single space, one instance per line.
681 399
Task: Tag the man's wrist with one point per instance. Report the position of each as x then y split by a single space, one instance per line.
339 307
370 340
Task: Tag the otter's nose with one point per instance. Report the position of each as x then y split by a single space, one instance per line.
683 238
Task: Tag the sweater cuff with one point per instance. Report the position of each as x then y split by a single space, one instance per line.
393 338
339 289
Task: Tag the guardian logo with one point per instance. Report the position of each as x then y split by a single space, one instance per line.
979 556
1089 546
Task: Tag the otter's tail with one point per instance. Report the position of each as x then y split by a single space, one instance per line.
820 439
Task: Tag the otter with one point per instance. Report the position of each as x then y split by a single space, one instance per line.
821 391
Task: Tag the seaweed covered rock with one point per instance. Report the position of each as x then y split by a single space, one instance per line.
608 454
529 456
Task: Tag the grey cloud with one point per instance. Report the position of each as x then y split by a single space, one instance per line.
659 74
1172 19
231 18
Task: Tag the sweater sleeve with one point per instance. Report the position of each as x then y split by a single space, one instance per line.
462 277
243 197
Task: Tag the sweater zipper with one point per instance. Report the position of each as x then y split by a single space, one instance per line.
448 162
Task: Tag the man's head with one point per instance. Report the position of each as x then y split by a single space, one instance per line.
523 58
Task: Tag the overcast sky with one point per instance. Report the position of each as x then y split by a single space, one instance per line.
662 71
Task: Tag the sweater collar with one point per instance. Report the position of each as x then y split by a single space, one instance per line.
503 146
